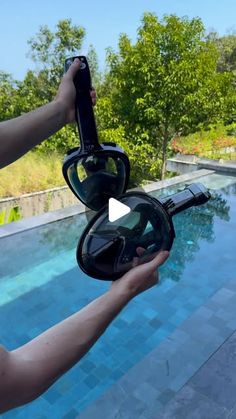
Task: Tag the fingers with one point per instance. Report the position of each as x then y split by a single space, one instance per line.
135 262
140 251
71 72
161 257
148 258
93 96
149 268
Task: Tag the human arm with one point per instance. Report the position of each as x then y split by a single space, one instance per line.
21 134
29 370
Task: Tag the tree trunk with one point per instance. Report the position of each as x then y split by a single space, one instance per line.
164 150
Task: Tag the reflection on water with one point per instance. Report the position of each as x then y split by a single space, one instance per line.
192 226
25 250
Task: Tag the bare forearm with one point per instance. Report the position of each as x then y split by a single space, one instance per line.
69 340
41 361
19 135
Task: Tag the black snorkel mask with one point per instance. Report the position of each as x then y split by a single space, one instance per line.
108 249
94 172
109 246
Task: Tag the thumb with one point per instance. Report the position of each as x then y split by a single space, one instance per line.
74 67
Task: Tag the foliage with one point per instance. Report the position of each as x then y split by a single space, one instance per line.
7 96
226 46
143 158
207 143
163 85
14 215
49 49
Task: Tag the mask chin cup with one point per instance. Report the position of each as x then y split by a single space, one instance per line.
96 176
106 250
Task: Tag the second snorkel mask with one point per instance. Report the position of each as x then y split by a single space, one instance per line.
95 173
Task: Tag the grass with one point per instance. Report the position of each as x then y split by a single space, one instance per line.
31 173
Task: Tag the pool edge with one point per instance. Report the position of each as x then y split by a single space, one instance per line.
52 216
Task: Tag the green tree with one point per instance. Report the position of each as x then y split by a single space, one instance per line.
165 84
226 46
49 49
7 96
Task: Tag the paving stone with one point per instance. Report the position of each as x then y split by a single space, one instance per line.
217 378
190 404
146 393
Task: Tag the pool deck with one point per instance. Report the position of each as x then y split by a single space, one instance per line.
176 381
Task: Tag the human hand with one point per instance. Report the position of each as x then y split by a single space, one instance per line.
142 276
66 92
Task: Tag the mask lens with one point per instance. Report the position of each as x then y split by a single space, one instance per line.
96 178
108 249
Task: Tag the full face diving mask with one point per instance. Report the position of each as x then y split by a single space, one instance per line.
95 173
108 249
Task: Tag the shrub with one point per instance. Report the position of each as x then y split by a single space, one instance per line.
207 143
14 215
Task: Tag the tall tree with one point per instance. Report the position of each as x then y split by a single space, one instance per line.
166 83
49 49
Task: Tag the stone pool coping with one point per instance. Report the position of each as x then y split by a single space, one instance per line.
52 216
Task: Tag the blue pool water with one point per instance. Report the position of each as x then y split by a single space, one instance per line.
40 284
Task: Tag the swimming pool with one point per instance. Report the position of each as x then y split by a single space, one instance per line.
41 284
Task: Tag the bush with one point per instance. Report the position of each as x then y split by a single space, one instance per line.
144 161
13 215
207 143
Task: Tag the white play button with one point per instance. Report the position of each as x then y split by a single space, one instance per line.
116 209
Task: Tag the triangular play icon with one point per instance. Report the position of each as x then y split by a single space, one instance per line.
116 209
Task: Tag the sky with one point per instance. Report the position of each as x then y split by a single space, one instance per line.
103 20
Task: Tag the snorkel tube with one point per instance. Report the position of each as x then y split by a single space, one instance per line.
107 250
94 172
193 195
